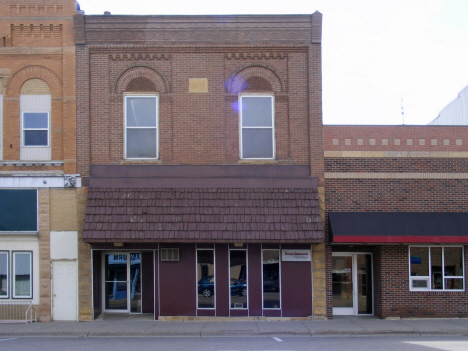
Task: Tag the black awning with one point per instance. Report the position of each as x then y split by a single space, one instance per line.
399 227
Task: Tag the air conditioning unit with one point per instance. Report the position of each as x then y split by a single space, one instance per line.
170 255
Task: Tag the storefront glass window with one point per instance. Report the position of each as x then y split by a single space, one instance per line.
238 278
436 268
4 274
205 278
271 279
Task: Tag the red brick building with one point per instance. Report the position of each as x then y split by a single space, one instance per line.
200 142
396 202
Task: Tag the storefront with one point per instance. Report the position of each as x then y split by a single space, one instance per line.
198 251
205 280
407 264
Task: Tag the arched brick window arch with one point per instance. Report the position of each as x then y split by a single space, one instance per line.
139 74
34 72
259 74
140 84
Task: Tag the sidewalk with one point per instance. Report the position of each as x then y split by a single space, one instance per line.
339 326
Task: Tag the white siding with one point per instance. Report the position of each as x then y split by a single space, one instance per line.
35 103
455 113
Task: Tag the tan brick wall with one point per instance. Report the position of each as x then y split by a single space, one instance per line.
84 262
44 256
63 208
319 293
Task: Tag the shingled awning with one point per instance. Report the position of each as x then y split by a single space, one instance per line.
252 206
399 227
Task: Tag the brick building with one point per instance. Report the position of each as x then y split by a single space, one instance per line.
396 202
200 142
40 191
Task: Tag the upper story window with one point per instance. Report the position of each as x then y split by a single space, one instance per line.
436 268
257 126
35 128
18 210
141 126
35 120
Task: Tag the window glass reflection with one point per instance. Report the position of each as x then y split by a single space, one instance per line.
271 279
238 278
205 278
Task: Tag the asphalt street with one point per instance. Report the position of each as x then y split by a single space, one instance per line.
239 343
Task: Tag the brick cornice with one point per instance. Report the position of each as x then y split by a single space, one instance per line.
248 29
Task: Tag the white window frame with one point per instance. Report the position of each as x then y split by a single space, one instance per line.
279 282
214 278
247 280
13 285
140 95
23 130
241 127
7 270
428 279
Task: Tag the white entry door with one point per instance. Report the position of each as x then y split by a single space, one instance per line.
352 284
64 297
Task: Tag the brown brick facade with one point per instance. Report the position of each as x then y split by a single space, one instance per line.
275 55
397 169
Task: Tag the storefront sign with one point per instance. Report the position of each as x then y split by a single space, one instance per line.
296 255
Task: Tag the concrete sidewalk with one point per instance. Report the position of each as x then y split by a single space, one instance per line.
144 326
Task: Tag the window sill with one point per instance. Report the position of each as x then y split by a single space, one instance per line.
257 162
140 162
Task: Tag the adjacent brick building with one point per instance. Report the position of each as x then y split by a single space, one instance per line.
200 139
40 191
396 200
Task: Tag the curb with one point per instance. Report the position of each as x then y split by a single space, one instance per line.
328 333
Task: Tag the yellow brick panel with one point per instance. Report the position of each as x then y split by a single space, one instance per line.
63 210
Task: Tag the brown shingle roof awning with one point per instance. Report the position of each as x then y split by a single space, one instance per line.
259 214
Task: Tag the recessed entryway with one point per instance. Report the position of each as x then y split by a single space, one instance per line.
352 284
122 282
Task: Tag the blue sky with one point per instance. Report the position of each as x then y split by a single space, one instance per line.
377 54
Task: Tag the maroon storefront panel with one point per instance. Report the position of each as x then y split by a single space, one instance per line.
177 283
296 286
147 282
222 280
254 286
271 313
241 312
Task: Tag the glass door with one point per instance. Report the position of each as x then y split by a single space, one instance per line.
352 284
122 282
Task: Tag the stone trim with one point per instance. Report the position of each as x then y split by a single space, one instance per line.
395 154
31 163
388 175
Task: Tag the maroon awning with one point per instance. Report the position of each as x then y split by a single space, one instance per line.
399 227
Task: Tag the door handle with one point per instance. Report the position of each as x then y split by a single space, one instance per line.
55 295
